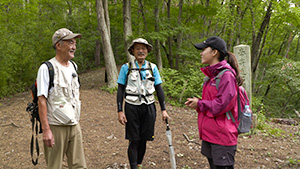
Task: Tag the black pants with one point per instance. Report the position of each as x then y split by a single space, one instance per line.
218 155
140 121
212 166
136 152
139 128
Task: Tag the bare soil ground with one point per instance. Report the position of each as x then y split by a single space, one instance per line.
105 146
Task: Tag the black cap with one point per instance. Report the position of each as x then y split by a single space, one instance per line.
214 42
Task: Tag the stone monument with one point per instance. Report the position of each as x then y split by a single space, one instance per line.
243 55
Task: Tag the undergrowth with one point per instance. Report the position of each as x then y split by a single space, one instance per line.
109 90
178 86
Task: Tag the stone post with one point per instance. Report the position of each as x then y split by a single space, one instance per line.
242 53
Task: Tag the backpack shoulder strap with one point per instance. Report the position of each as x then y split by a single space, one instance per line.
218 77
128 72
75 67
73 63
244 94
151 67
51 73
229 114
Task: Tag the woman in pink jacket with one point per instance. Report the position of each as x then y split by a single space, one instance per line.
217 131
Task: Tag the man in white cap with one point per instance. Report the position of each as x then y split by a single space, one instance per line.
136 83
59 104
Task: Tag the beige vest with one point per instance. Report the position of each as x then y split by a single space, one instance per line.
63 102
139 91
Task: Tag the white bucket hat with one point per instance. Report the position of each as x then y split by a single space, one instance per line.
142 41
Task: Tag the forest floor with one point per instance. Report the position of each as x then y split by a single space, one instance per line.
106 148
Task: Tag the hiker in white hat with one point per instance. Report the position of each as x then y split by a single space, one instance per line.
137 82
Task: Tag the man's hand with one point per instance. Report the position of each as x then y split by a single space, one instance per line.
48 138
122 118
165 115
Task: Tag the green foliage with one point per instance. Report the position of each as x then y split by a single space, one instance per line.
26 28
186 167
262 121
256 104
179 86
266 128
291 162
284 90
109 90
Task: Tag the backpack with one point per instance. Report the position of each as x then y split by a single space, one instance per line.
244 111
32 109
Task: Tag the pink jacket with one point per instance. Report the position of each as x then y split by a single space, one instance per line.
213 124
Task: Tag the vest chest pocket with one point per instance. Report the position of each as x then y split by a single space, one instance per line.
133 76
131 89
67 91
61 89
132 80
150 85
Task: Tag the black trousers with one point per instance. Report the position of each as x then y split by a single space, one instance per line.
140 121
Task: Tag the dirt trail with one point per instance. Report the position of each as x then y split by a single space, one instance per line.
105 146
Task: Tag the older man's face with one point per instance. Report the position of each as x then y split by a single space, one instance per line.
67 48
140 51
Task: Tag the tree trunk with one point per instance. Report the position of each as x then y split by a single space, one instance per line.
139 25
127 28
281 47
70 7
97 53
241 12
156 43
106 16
297 48
109 59
170 57
254 74
179 36
141 9
257 39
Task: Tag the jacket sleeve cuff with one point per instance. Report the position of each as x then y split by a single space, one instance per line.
198 105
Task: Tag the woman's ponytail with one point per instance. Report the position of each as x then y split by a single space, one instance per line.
234 64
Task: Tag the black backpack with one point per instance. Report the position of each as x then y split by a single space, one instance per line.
32 109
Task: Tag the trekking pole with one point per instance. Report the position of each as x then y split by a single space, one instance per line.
172 153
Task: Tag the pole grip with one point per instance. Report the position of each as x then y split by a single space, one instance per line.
168 128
